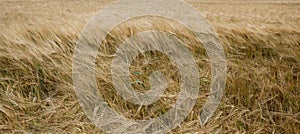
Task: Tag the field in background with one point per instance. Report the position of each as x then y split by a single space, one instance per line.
261 41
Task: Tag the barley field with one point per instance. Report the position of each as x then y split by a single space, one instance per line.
261 40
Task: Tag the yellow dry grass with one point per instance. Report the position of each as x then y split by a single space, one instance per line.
261 41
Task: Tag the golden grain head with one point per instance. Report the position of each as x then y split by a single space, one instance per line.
261 40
